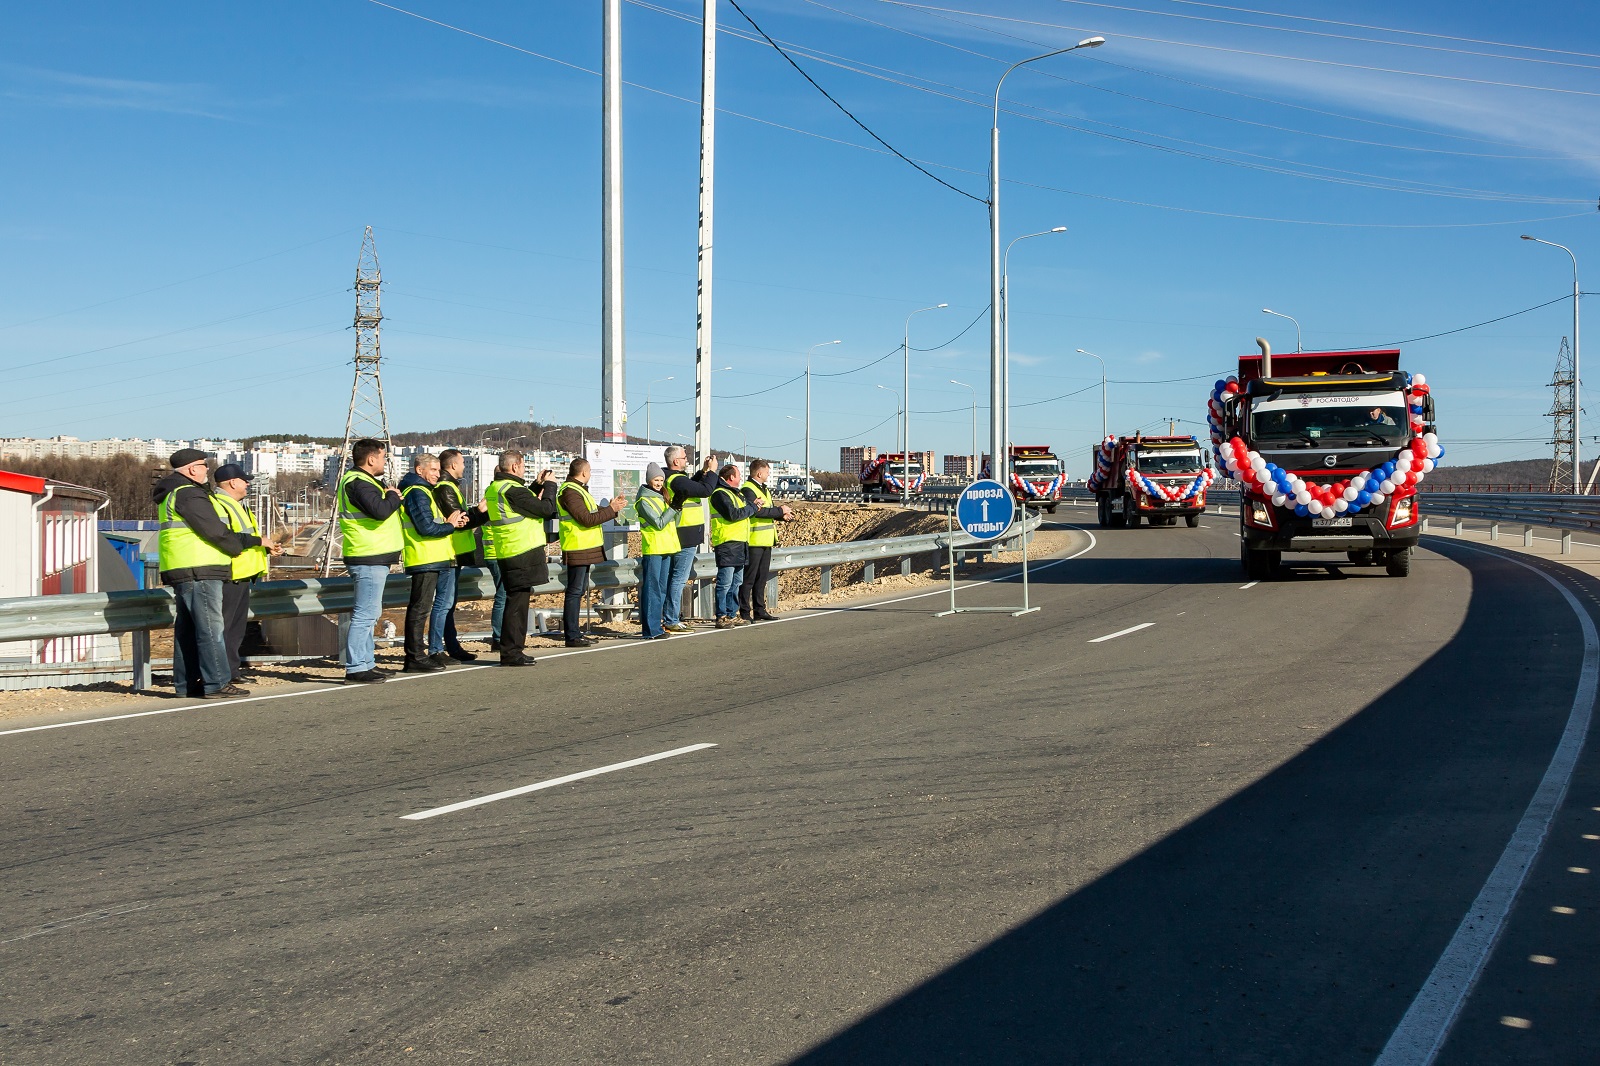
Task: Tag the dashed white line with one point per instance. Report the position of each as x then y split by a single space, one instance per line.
1122 632
450 808
1252 585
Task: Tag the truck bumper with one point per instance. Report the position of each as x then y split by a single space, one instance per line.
1296 534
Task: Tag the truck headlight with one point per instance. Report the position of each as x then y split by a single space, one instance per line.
1259 513
1402 512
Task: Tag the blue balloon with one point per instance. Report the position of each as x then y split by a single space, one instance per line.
1221 385
1363 498
1300 509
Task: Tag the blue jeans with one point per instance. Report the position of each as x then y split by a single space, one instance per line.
199 642
653 592
444 598
499 611
677 578
360 652
729 578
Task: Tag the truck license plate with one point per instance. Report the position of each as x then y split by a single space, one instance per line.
1342 522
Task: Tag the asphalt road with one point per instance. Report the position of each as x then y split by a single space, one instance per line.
1244 833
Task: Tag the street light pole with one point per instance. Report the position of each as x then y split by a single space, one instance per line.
905 448
997 383
1091 355
657 381
1298 347
1002 475
744 443
809 354
1577 379
974 392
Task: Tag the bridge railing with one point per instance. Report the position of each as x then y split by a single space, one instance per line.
142 611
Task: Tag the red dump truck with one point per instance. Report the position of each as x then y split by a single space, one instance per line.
889 476
1037 479
1329 448
1154 479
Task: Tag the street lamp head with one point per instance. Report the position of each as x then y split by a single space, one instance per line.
1058 229
1528 238
1268 311
1091 42
941 305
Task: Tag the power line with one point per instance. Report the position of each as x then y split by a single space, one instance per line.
779 49
957 337
1475 325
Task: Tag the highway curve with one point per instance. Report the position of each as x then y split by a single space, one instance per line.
1244 833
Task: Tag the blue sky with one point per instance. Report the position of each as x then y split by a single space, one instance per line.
186 186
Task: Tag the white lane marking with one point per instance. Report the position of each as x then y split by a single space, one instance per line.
434 812
1122 632
1252 585
324 689
1421 1034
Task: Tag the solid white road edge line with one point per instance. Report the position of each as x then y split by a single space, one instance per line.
1122 632
434 812
321 690
1421 1034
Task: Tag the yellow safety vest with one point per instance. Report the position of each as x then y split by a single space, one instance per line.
693 511
251 561
763 531
509 533
421 550
179 547
573 536
463 540
364 535
663 541
723 530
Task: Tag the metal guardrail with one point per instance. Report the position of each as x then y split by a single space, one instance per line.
139 612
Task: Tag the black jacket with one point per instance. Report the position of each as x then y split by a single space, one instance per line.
196 509
366 498
732 552
450 499
690 486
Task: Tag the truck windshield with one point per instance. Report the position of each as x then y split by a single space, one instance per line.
899 469
1169 462
1036 469
1316 421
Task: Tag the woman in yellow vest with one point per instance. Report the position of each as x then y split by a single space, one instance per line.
515 532
249 566
582 544
658 530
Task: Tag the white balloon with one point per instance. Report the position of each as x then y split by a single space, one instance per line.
1434 451
1302 497
1377 498
1427 466
1418 379
1350 493
1431 438
1314 507
1279 500
1340 506
1257 463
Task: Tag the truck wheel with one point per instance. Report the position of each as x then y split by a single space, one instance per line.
1398 564
1191 520
1130 512
1101 513
1051 509
1361 557
1259 565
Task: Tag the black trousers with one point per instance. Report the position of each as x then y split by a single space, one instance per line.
424 587
757 569
235 617
519 575
572 602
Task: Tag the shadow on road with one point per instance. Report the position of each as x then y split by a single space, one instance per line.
1293 922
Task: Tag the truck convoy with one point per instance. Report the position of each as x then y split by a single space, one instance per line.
1328 448
1159 479
888 476
1037 478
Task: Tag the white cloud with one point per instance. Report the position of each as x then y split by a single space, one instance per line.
58 88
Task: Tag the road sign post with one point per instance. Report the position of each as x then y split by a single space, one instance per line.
986 512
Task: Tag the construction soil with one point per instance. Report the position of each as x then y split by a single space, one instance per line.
812 523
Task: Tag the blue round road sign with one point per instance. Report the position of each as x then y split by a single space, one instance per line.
985 509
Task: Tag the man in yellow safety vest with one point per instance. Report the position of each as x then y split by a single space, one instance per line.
369 523
515 531
197 551
249 566
582 544
428 552
730 539
763 537
687 494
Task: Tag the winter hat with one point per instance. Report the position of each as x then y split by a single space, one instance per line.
652 472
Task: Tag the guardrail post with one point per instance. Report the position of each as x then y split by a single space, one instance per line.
772 593
1566 542
869 572
1527 536
825 580
1494 530
905 566
1424 524
141 660
344 636
705 594
1459 524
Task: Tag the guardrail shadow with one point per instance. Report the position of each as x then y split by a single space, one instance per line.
1294 921
1096 569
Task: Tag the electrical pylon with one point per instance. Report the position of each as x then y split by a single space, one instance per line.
367 416
1562 406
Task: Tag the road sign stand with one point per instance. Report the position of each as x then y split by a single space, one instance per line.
983 533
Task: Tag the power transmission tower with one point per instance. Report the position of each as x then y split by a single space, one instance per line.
367 416
1563 405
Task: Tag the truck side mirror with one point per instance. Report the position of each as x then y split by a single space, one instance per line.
1427 409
